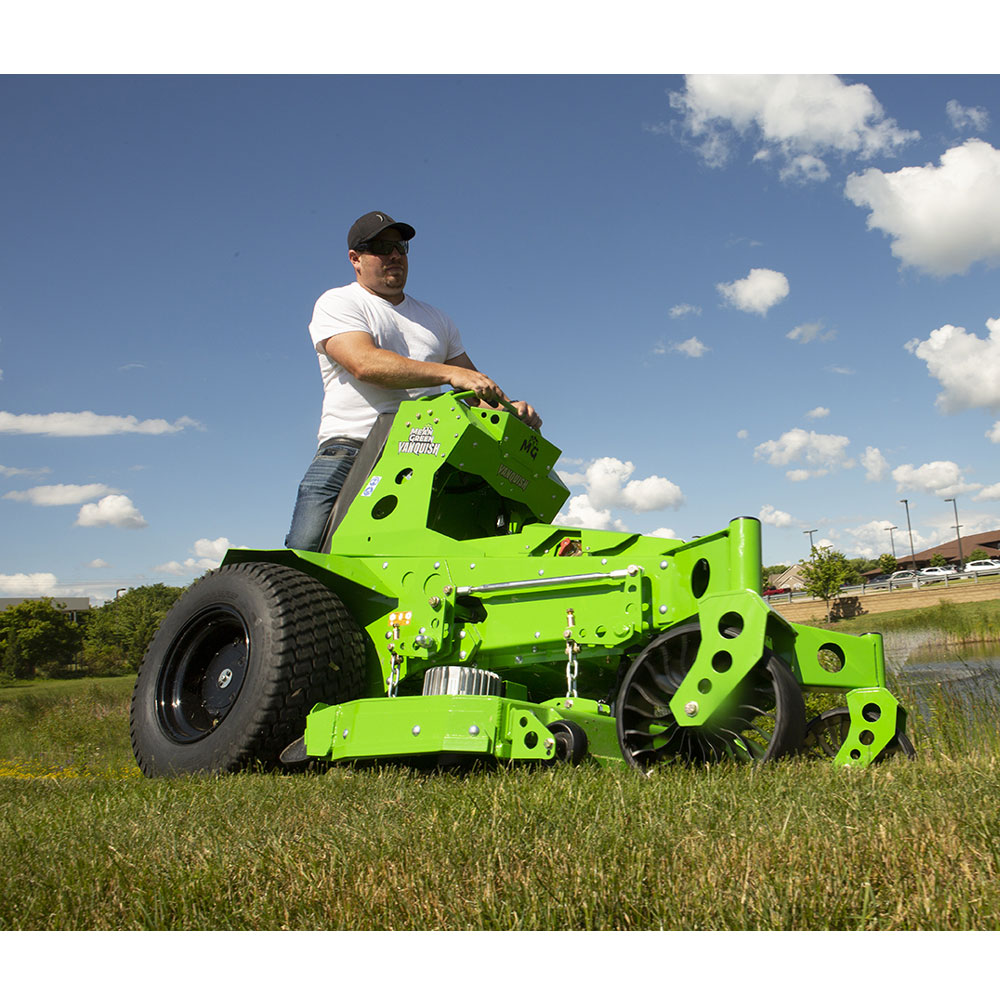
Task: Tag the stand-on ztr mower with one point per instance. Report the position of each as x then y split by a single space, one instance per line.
447 619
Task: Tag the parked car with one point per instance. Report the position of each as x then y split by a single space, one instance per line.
983 566
771 591
903 576
877 581
937 572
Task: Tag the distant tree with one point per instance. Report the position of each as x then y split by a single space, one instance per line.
37 637
938 560
118 632
825 572
978 554
888 563
858 569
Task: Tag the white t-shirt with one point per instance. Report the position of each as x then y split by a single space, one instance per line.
413 329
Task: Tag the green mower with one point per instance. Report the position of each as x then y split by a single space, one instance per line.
448 620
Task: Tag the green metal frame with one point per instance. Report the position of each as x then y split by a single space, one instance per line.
448 556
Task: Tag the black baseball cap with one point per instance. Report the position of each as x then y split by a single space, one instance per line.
370 225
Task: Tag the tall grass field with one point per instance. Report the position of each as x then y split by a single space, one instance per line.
87 843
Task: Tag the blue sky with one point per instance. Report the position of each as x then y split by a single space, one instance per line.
725 295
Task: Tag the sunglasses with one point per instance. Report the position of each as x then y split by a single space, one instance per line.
382 248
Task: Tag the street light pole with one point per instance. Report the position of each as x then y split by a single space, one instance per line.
913 555
891 529
810 532
961 558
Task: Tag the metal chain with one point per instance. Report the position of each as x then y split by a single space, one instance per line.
396 660
572 667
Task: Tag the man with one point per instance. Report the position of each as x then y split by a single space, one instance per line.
377 347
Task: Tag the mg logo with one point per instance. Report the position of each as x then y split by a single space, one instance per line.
530 445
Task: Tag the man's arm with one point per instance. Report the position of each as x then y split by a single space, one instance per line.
357 352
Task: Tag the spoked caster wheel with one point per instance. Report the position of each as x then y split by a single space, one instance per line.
825 735
764 719
571 741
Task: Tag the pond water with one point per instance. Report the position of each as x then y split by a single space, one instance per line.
924 665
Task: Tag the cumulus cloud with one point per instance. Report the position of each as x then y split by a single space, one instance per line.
795 120
692 347
941 219
989 493
818 412
941 478
58 495
684 309
761 289
115 511
967 368
86 424
871 539
770 514
874 464
609 485
963 118
807 332
743 434
98 564
994 433
580 513
208 554
28 584
823 452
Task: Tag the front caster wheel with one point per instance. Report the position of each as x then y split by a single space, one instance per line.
571 741
764 718
825 735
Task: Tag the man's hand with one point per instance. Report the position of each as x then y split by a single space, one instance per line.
470 380
527 413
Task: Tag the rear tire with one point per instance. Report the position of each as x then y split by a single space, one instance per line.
236 666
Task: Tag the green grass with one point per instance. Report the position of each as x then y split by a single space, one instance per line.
977 621
87 843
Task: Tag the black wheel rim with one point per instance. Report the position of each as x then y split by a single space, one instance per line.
750 727
826 733
203 673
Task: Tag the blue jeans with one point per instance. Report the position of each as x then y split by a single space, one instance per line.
320 487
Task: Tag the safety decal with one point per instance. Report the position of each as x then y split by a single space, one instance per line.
421 442
400 618
370 488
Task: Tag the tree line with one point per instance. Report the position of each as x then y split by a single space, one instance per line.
38 639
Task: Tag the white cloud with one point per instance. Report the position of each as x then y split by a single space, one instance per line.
801 475
871 539
769 514
961 118
818 412
761 289
115 510
7 471
692 347
994 433
608 485
942 219
798 119
86 424
98 564
580 513
28 584
874 464
208 554
58 495
684 309
989 493
967 368
743 434
663 533
807 332
941 478
824 452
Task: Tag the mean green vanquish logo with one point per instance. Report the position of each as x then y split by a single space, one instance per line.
420 442
530 445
